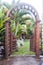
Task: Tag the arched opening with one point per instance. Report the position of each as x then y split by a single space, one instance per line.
36 37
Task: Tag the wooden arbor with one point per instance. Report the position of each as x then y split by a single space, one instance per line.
10 40
36 37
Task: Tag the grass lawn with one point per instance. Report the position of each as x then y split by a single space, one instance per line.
24 50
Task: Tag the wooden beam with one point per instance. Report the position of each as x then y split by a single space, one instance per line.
37 39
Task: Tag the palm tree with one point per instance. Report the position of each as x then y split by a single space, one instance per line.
20 20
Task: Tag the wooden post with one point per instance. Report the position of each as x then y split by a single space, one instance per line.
7 39
37 39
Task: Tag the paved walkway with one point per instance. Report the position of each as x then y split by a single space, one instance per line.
26 61
21 60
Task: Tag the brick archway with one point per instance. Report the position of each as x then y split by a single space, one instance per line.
37 25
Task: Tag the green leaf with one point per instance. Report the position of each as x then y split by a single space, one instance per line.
2 30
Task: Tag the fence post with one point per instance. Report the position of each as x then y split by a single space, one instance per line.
37 39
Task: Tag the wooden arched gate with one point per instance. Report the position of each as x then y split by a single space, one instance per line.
36 37
35 44
10 40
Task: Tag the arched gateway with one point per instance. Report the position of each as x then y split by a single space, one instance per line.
32 12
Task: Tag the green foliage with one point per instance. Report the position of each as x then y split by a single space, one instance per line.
19 30
1 13
3 19
29 31
13 27
18 17
19 20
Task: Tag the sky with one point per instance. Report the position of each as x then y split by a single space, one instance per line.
35 3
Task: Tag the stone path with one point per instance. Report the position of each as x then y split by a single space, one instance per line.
21 60
26 61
